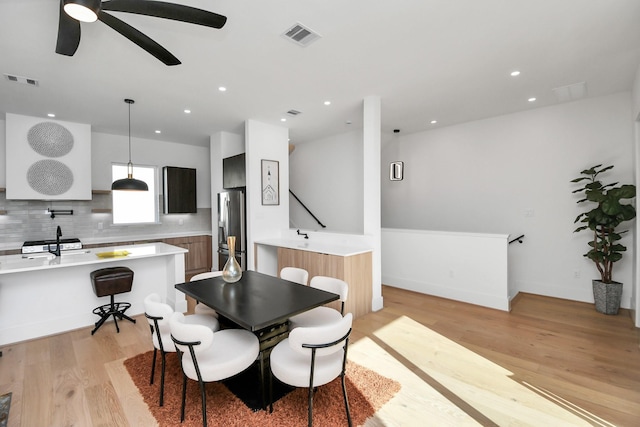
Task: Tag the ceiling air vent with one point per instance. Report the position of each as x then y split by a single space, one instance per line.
23 80
293 112
301 35
571 92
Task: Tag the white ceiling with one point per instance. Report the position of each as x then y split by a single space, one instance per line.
447 60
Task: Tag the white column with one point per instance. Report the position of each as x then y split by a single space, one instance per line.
371 191
265 142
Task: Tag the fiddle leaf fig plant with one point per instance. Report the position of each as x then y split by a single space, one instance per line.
604 218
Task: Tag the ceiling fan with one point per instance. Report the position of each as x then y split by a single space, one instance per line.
74 11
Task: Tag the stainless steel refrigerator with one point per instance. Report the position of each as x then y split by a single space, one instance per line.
231 222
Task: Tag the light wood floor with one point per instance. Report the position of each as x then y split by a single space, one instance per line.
548 362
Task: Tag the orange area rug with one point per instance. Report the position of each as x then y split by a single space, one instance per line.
367 392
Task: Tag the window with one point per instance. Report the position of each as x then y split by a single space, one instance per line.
135 207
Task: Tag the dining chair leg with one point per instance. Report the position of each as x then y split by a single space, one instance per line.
346 401
311 388
184 396
153 365
204 404
310 406
164 361
270 391
262 373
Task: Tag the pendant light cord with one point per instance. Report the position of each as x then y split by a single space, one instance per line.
129 101
130 164
129 131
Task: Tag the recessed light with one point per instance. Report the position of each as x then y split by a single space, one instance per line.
222 89
187 111
515 73
532 99
51 115
283 119
327 102
433 122
158 131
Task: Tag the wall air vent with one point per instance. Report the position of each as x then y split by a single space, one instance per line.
293 112
23 80
301 35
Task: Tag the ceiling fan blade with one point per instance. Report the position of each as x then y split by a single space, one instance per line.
68 34
139 38
159 9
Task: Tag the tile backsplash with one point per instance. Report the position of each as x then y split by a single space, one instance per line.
30 220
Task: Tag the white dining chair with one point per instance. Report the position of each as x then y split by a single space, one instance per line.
312 357
203 308
295 274
207 356
158 315
322 315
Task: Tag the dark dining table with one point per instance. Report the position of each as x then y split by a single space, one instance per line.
259 303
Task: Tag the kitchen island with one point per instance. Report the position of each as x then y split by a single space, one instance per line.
351 262
46 294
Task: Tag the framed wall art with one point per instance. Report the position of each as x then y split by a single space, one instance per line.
47 159
270 182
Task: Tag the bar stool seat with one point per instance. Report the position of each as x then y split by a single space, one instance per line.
109 282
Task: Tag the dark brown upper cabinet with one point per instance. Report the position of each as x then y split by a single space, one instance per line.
179 186
233 172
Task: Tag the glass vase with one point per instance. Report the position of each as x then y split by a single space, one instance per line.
232 272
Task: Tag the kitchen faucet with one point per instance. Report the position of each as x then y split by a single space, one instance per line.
56 252
306 236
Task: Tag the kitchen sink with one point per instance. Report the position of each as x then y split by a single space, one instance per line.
76 252
64 254
38 256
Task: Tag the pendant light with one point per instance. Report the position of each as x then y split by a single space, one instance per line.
82 10
129 183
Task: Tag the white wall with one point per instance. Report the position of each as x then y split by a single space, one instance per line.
106 149
264 141
467 267
326 174
635 96
3 154
510 175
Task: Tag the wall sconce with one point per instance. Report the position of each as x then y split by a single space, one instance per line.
396 171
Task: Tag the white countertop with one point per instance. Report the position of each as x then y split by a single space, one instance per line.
17 263
311 245
6 246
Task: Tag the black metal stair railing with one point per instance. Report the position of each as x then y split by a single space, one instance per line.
307 209
517 239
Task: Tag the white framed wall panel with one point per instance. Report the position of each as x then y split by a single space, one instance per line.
47 159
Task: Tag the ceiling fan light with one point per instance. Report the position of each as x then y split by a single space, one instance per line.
82 10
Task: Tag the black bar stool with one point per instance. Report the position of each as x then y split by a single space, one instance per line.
111 281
